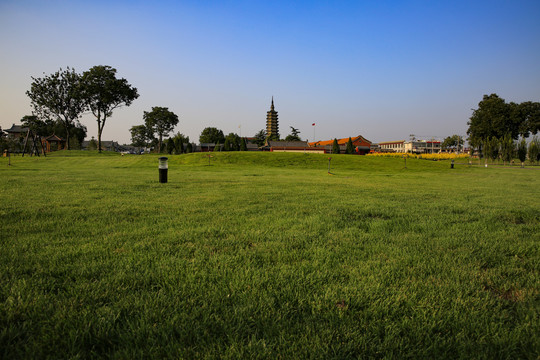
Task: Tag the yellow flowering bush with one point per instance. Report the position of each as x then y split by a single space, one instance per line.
441 156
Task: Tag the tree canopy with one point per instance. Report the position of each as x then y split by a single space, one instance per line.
103 92
211 135
350 147
48 127
260 137
293 136
58 97
161 121
141 136
453 142
496 118
335 147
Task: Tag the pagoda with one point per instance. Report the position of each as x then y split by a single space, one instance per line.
272 129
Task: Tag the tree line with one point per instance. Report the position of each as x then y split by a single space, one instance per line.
65 95
496 124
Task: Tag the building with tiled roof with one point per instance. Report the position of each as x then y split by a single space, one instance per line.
361 144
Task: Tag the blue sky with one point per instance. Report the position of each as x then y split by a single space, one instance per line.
382 69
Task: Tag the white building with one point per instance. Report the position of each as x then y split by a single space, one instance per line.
416 147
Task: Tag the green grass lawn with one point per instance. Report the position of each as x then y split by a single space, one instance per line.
263 255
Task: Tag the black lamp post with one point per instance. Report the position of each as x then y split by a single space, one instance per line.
163 169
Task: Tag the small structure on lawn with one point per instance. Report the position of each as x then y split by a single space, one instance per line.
54 143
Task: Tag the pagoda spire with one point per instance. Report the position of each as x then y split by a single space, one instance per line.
272 128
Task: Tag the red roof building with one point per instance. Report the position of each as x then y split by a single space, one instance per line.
361 144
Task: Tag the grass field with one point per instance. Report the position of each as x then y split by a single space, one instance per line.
262 255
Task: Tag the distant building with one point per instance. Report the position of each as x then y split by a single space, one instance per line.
415 147
293 146
105 145
16 131
272 128
361 144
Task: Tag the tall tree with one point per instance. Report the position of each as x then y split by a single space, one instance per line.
507 148
170 146
243 145
103 93
350 147
227 145
335 147
495 117
453 142
490 119
161 121
179 141
211 135
39 127
141 136
534 150
234 142
294 135
522 150
260 137
530 118
58 97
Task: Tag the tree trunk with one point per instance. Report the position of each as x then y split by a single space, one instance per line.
67 136
159 145
99 130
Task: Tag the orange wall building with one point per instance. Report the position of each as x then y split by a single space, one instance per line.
361 144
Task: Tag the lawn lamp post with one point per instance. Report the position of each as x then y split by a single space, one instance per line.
163 169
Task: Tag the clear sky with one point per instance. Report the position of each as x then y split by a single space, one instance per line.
382 69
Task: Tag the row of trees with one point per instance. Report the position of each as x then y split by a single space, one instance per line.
495 118
64 96
506 149
349 148
496 124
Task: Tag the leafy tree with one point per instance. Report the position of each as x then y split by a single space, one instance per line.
495 117
335 147
49 127
39 127
179 141
495 148
217 147
273 137
453 142
103 92
507 148
211 135
58 96
243 145
161 121
350 147
141 136
92 144
522 151
487 149
169 146
189 148
293 136
227 145
260 137
234 142
534 150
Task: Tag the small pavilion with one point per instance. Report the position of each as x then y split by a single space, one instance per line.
53 143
